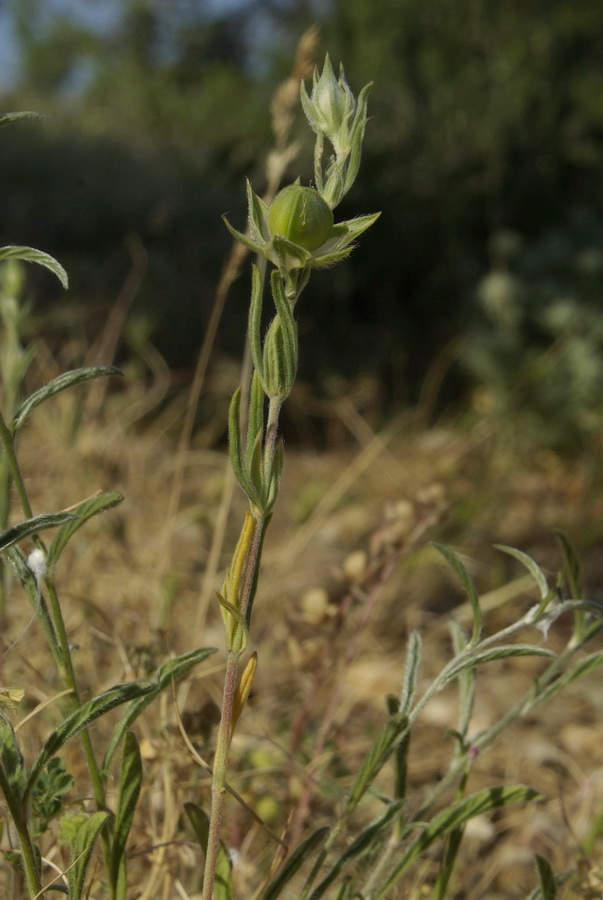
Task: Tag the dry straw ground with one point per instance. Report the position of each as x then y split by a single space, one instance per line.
348 570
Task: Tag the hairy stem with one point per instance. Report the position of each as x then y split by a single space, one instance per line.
220 767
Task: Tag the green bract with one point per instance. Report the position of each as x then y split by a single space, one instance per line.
302 216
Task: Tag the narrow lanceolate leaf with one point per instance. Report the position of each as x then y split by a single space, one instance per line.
61 383
130 782
255 320
81 851
571 568
548 884
33 526
532 567
83 717
492 653
11 761
452 817
223 888
380 752
237 459
366 840
257 215
466 680
28 254
411 671
83 512
10 117
305 851
255 422
469 587
167 674
582 667
285 312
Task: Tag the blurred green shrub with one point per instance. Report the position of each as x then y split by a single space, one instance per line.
536 351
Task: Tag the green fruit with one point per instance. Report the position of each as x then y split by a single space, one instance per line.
302 216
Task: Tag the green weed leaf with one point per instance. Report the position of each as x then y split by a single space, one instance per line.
11 760
83 717
366 840
305 850
33 526
81 851
83 512
502 652
237 460
466 681
130 782
167 674
582 667
28 254
9 118
452 817
468 586
223 889
254 322
376 759
548 884
61 383
532 567
411 671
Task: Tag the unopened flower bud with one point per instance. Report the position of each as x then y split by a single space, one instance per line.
302 216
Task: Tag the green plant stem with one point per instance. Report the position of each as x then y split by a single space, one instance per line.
70 680
231 676
9 449
27 848
220 767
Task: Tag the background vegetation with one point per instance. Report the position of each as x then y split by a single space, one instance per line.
484 153
479 294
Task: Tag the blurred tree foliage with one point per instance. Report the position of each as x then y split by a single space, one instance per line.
486 118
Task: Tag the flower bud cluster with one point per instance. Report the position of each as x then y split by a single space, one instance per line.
334 113
296 233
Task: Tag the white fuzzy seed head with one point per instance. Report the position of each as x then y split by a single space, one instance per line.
37 563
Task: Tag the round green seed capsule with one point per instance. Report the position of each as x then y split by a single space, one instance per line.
300 215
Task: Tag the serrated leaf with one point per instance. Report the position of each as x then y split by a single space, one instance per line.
83 513
29 254
83 717
223 888
376 759
502 652
365 841
167 674
58 384
294 861
452 817
469 588
130 782
33 526
532 567
81 850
